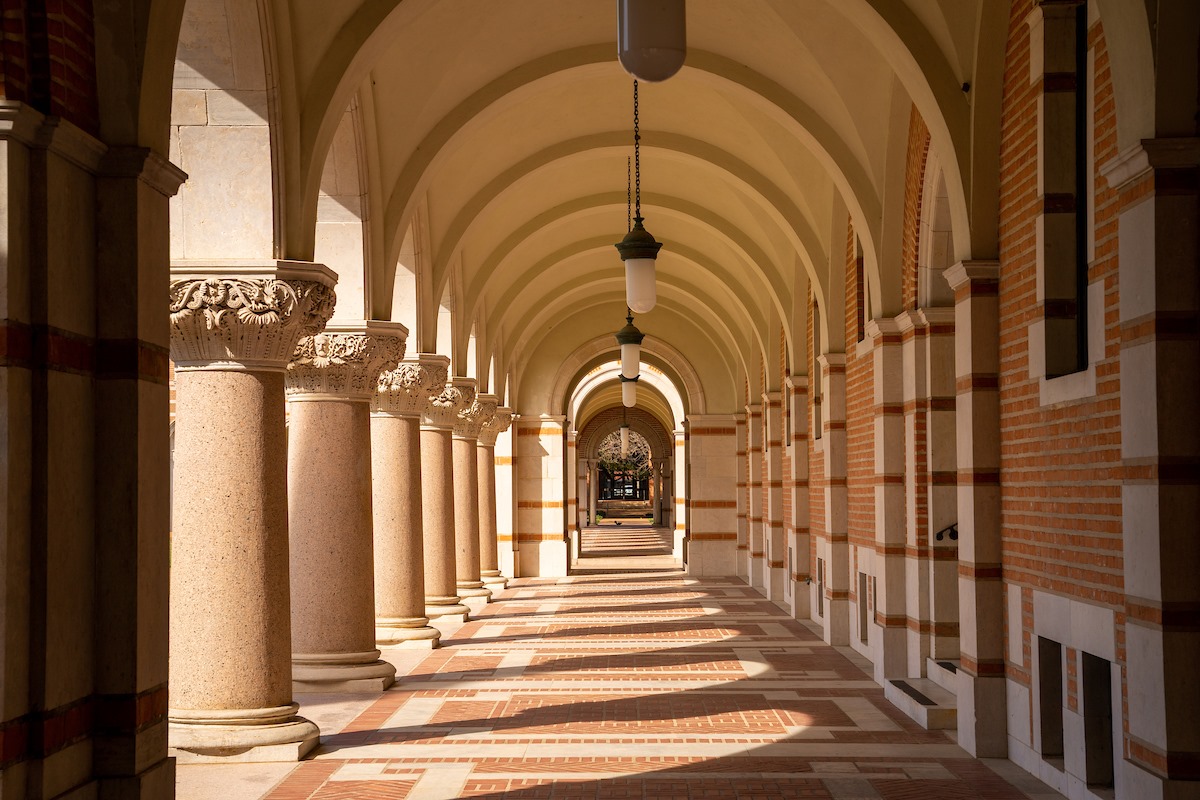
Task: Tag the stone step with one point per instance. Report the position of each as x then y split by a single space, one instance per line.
943 672
930 705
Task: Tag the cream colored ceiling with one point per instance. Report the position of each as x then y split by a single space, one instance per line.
495 138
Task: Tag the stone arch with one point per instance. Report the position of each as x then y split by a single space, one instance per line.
681 373
935 239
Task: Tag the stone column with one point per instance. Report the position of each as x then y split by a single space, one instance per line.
982 703
891 615
397 500
712 511
440 415
800 539
774 542
233 330
466 497
485 454
754 445
593 489
743 499
835 546
682 488
331 381
540 443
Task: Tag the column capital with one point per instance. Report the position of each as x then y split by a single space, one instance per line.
443 404
231 316
497 425
472 418
971 274
406 389
344 361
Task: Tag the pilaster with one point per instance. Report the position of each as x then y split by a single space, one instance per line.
982 705
835 548
774 543
754 454
712 507
541 519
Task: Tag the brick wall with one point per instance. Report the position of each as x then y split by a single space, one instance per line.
914 183
1060 464
860 422
48 58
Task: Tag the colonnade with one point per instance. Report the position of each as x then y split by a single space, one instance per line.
331 497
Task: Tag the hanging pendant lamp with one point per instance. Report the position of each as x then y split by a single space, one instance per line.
630 339
624 436
638 249
651 37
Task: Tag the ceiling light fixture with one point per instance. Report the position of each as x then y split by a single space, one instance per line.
651 37
630 340
638 249
628 391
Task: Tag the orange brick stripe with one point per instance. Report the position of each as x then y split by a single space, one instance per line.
539 504
47 347
711 431
713 504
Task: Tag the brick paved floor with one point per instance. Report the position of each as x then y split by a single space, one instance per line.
633 684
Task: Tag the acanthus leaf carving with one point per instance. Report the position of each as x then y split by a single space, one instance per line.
406 388
342 363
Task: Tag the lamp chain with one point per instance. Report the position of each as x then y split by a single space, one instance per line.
637 155
628 197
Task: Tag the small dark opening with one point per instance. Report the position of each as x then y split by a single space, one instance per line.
1050 698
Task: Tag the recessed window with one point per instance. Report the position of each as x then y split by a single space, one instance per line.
1050 699
1097 721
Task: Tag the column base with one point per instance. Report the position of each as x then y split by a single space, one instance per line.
199 736
439 609
407 632
341 672
474 589
494 579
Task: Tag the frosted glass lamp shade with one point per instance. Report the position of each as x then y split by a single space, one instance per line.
631 360
651 37
629 393
640 291
624 441
638 250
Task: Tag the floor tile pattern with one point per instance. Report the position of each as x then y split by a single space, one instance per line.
635 684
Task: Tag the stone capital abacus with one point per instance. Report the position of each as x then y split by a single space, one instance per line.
344 361
238 316
472 418
443 406
405 390
497 425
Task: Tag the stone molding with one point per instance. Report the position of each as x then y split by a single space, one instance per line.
441 409
405 390
246 316
344 361
472 418
498 424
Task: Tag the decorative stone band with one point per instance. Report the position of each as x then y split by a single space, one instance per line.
441 409
246 316
472 418
497 425
345 361
406 389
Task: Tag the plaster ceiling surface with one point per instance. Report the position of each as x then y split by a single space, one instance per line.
498 137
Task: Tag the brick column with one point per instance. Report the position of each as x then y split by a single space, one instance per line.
982 715
743 499
541 530
754 453
888 413
800 539
774 543
712 508
1160 450
835 548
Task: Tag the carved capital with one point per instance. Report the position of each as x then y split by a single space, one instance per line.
497 425
406 389
344 361
246 317
472 418
443 406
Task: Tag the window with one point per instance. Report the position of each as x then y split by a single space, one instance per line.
864 610
1050 698
1097 721
820 587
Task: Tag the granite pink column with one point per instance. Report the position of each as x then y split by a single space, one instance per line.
397 501
440 415
466 497
485 453
233 330
330 384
